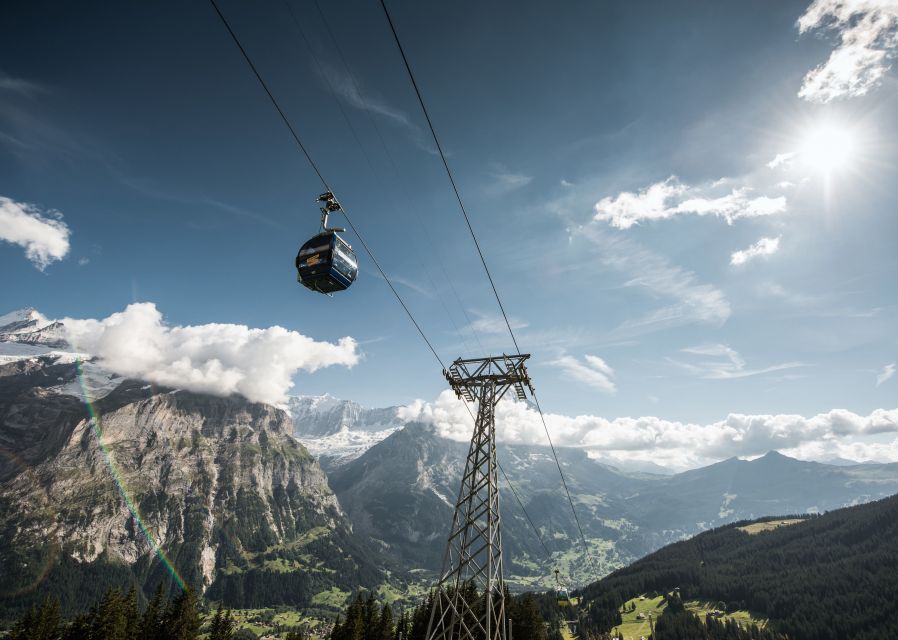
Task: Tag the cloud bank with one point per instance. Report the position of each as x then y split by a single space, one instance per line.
867 31
43 235
677 445
220 359
670 198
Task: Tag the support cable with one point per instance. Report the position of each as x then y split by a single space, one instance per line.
483 261
314 166
448 172
367 109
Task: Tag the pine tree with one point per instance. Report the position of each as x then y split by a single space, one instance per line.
108 620
385 625
152 626
222 625
182 620
39 623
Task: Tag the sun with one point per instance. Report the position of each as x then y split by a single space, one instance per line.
829 148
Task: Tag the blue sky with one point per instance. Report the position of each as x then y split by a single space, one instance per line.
614 158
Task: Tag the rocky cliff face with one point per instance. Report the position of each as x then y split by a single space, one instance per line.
219 485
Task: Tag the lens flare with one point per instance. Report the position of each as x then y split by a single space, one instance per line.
117 479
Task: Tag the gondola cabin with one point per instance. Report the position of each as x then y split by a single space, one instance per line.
564 598
326 263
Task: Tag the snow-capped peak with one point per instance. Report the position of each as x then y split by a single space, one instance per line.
22 320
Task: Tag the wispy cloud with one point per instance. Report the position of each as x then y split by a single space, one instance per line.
405 282
867 31
19 85
720 362
488 323
347 87
763 247
503 181
593 371
886 374
691 300
670 198
43 234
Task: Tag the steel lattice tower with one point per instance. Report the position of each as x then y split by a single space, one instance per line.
474 549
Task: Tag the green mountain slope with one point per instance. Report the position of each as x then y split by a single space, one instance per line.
826 577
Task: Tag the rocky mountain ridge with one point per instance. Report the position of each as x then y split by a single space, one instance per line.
141 485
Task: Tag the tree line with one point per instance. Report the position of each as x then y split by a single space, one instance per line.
118 616
365 619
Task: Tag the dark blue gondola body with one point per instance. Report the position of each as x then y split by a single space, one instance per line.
326 263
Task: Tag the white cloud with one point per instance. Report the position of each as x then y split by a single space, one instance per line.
678 445
670 198
781 159
887 372
566 183
868 39
594 371
721 362
211 358
43 235
763 247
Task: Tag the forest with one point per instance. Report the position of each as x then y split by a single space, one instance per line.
829 577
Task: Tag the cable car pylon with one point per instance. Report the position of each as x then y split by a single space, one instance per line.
473 556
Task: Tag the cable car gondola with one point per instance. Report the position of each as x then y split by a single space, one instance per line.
562 595
326 262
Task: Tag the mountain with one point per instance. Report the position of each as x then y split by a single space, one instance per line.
624 516
141 485
821 577
337 431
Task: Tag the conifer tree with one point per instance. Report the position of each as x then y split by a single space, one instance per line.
222 625
152 622
182 620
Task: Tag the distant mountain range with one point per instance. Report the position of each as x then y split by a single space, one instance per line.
624 515
248 514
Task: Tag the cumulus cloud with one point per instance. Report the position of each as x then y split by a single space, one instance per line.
593 371
721 362
220 359
678 445
43 235
670 198
867 32
763 247
887 372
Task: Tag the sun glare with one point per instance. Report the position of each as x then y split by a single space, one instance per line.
828 148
